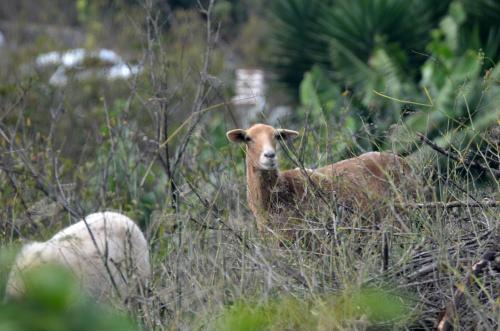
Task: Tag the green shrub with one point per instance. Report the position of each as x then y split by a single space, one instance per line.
367 307
53 302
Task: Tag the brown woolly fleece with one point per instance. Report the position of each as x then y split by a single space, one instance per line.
279 200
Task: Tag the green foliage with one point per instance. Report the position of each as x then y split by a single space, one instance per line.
344 35
326 111
295 29
97 127
379 306
462 99
222 11
357 29
281 314
252 42
131 185
53 303
7 257
51 287
368 307
481 29
372 78
360 46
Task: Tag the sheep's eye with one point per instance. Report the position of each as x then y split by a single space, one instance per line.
278 136
248 139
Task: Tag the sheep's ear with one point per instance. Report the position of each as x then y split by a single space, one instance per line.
285 134
237 136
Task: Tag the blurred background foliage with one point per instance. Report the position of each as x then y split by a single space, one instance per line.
54 303
432 64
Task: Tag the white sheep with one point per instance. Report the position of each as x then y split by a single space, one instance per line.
106 252
278 199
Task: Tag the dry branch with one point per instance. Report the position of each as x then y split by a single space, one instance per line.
457 158
451 204
445 320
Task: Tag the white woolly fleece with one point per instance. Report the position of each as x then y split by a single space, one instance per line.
119 244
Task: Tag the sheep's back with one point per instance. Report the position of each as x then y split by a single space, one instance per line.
367 180
110 251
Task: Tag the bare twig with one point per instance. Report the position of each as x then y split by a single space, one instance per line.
201 90
452 204
457 158
445 320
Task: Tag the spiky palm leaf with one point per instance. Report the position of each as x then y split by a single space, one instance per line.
464 102
381 45
294 36
482 28
342 35
356 29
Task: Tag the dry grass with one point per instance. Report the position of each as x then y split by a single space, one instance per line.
215 258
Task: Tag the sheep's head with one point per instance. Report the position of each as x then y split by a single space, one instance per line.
261 141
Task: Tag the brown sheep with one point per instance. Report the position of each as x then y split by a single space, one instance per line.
279 199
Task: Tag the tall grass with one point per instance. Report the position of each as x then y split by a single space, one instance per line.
212 265
211 269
